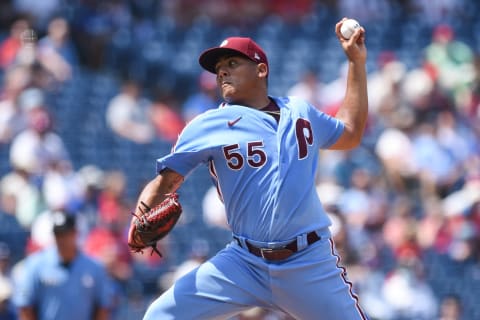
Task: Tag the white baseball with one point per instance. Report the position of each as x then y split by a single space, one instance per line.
348 28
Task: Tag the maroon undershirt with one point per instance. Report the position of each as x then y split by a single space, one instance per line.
272 106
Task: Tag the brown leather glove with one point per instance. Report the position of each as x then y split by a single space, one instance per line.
153 223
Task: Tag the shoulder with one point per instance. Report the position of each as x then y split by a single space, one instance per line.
291 102
214 118
222 110
39 259
295 105
48 253
299 107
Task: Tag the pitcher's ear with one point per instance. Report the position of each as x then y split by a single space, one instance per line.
262 70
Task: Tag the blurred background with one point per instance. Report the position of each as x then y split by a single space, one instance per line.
92 92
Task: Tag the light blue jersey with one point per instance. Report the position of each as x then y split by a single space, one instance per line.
57 292
264 170
265 174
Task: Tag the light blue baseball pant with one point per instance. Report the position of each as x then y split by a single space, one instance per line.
309 285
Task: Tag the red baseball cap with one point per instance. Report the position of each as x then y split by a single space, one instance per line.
234 45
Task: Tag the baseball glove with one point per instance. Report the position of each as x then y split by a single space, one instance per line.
153 224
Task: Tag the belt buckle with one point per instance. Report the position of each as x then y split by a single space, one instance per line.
268 250
275 254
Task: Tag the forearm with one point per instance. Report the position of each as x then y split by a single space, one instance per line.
354 110
154 192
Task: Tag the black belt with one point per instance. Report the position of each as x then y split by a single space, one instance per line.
278 253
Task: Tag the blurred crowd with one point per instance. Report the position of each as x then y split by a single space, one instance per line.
405 206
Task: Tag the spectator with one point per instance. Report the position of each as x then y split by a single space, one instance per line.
10 47
111 199
32 153
166 117
38 147
405 287
21 195
391 147
128 116
384 89
451 59
61 188
455 136
56 51
437 167
422 94
94 24
12 117
61 282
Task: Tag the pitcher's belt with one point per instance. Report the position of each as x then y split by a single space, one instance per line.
276 254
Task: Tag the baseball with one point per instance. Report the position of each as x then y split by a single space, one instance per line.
348 28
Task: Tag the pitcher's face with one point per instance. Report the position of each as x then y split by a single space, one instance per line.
237 78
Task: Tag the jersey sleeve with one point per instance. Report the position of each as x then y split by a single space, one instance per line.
329 129
326 129
190 150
